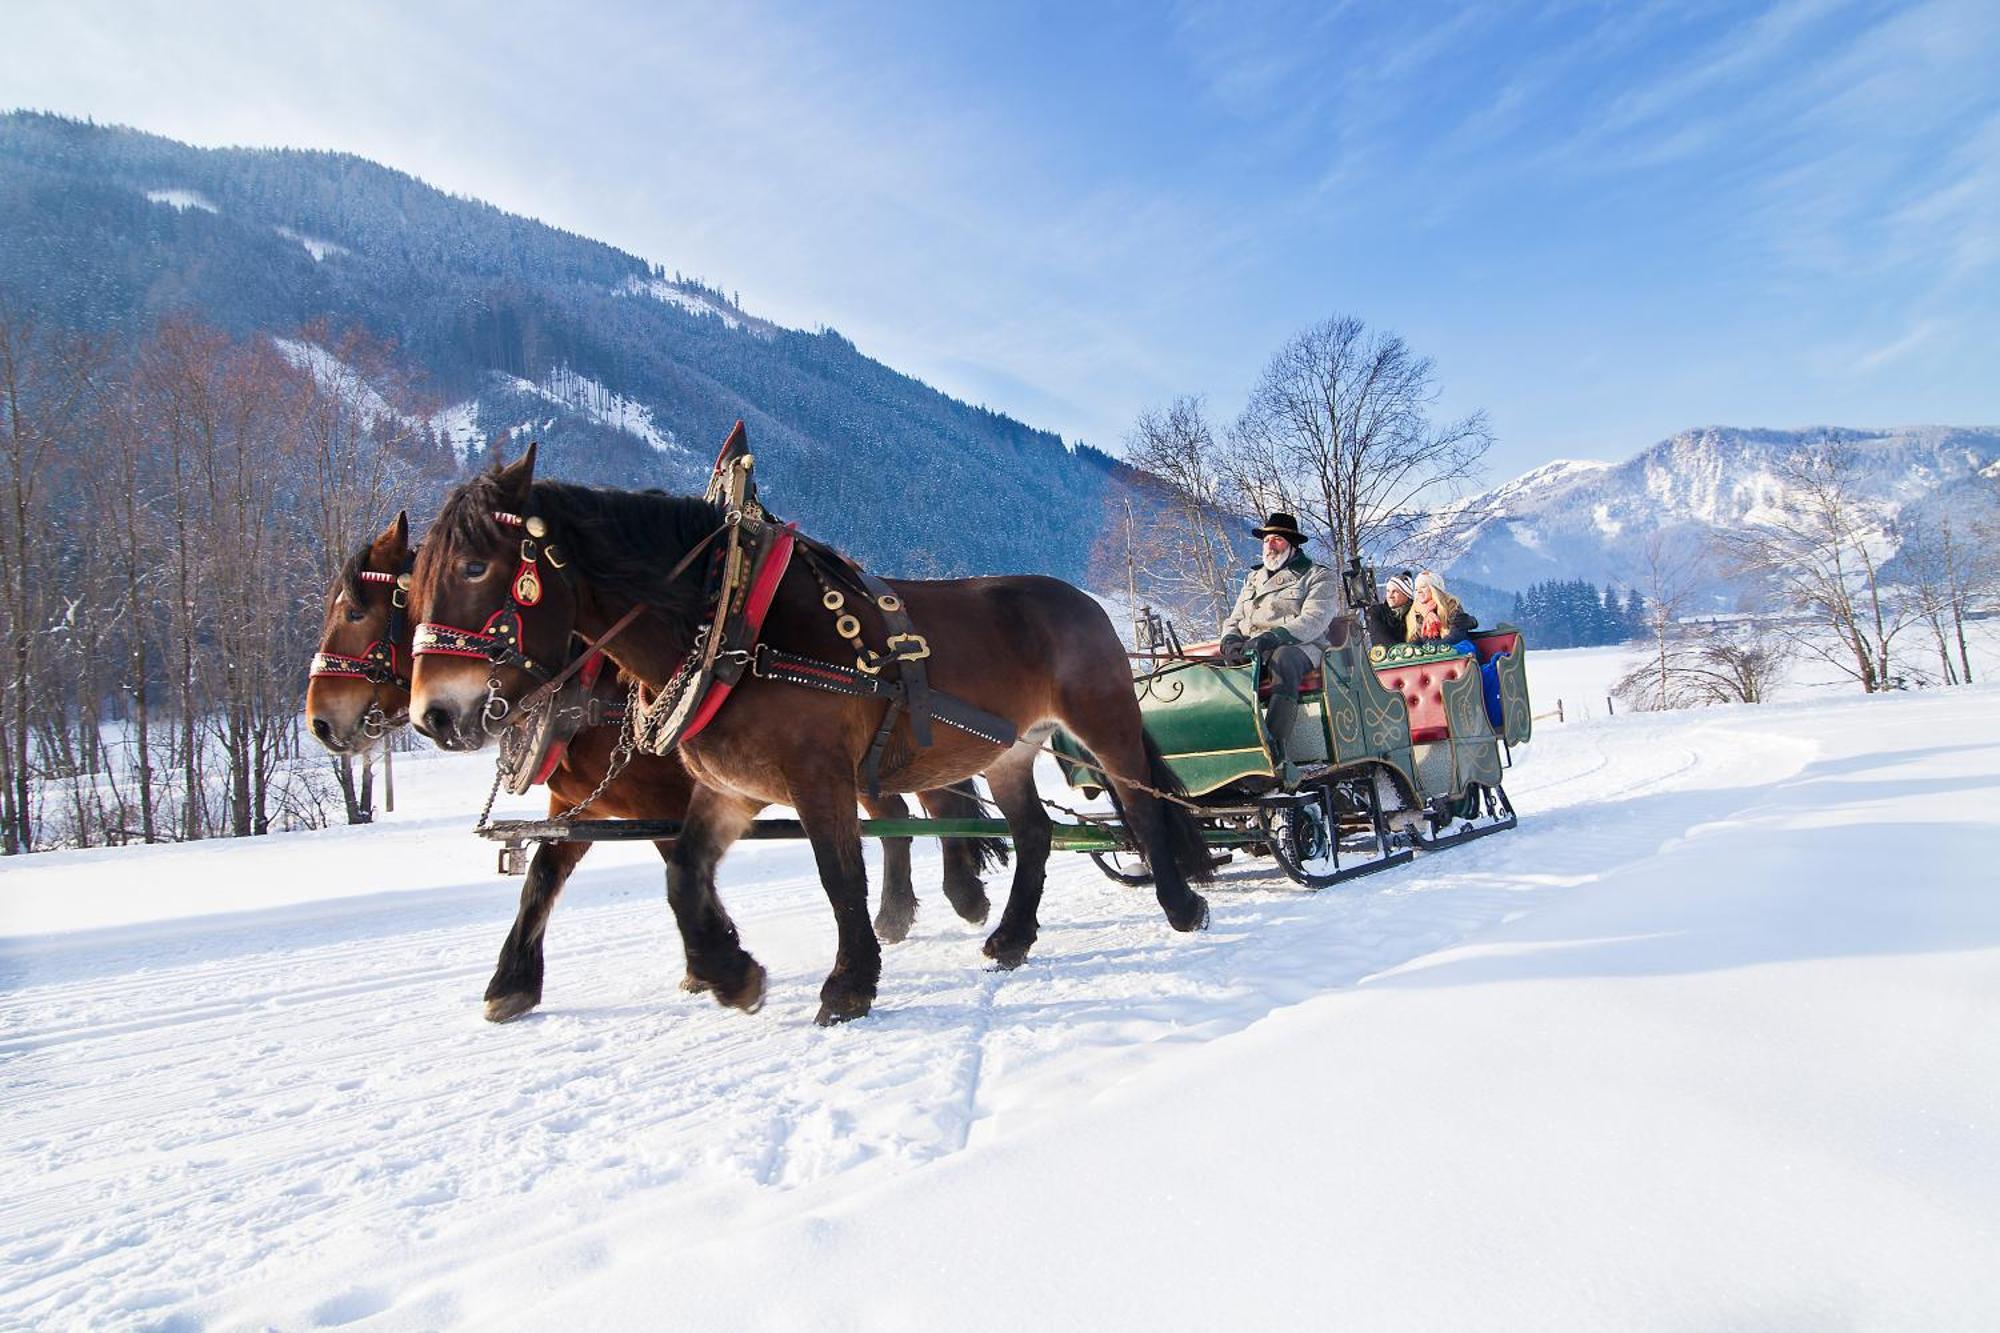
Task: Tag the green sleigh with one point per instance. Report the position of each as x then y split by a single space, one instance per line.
1394 751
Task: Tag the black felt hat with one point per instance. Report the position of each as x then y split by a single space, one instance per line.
1284 525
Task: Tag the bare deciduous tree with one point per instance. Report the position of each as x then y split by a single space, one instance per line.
1702 664
1181 543
1674 568
1951 562
352 433
47 381
1820 559
170 511
1339 431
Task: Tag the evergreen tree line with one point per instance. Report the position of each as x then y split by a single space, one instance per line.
1571 613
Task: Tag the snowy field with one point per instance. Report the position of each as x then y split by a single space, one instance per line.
1709 1042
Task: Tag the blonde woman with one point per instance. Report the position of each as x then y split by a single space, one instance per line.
1435 615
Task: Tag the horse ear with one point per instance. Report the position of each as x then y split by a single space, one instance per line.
394 542
519 475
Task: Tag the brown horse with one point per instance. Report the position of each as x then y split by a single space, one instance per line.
1031 651
360 689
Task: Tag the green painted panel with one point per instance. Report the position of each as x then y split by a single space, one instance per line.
1207 722
1383 717
1191 708
1518 711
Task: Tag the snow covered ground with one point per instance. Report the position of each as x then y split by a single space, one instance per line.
1708 1042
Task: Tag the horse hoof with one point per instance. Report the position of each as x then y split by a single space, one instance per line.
894 927
748 994
506 1008
974 911
1007 954
845 1010
1198 921
694 985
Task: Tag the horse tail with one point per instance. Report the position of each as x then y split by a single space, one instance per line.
1192 855
961 800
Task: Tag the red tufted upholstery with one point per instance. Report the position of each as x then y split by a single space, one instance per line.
1422 688
1491 646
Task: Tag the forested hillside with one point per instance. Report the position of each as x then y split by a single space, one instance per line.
628 372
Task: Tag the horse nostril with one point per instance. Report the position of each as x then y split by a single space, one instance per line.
322 730
435 723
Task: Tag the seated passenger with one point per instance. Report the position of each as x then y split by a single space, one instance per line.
1282 617
1437 617
1387 618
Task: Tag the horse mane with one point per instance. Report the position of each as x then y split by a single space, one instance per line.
350 577
620 542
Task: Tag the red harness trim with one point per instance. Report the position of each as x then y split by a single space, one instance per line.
824 673
557 752
365 667
341 665
762 590
434 638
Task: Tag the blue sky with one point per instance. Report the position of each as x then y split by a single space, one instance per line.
1606 222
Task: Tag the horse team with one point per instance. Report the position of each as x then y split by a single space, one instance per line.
1033 651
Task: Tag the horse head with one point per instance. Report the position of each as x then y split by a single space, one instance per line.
360 687
494 605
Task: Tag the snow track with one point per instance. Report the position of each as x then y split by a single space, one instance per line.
298 1117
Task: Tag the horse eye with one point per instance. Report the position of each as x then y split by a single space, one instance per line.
355 615
473 569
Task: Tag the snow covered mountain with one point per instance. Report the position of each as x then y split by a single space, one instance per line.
1587 519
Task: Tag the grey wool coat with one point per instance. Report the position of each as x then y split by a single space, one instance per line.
1297 602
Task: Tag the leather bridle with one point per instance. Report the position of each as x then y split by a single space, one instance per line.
377 663
498 642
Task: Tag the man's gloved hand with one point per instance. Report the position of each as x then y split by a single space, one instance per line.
1266 643
1232 650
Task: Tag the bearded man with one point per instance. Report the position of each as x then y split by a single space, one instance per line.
1281 617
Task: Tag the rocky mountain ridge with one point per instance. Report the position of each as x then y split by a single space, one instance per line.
1593 519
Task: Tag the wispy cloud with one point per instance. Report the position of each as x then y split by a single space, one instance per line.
1924 332
1685 196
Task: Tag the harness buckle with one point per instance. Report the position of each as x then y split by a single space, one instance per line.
922 650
